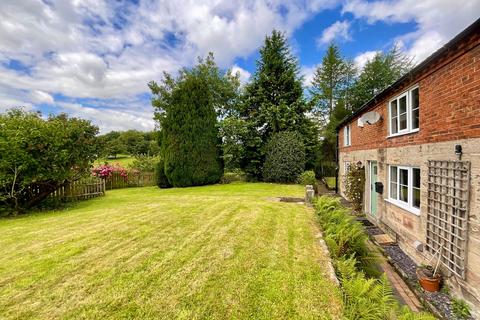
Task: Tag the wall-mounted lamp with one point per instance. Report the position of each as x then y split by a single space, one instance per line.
458 151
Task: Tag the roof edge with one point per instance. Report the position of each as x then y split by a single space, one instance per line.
471 29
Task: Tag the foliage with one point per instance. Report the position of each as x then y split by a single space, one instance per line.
378 73
106 170
233 176
186 110
461 309
344 235
273 102
144 163
232 130
355 186
132 142
41 154
285 157
364 297
160 177
307 178
331 82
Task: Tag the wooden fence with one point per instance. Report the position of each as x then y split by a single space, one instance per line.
82 189
139 179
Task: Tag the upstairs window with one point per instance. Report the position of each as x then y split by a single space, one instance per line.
347 136
404 113
404 187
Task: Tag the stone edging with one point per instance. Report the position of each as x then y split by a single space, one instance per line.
330 269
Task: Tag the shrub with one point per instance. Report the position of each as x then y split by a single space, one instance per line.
233 176
355 186
160 177
307 177
144 163
285 157
104 171
37 156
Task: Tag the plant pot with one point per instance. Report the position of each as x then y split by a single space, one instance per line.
428 281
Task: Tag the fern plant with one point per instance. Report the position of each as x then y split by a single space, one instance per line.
364 297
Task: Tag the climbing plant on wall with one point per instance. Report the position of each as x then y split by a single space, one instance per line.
355 186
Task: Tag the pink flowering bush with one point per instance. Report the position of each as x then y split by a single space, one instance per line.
104 171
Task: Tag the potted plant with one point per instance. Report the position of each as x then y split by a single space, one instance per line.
429 278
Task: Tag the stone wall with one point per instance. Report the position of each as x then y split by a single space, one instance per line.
409 227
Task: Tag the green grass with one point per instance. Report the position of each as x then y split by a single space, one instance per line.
330 181
215 252
122 159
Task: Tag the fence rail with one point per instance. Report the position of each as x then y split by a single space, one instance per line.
81 190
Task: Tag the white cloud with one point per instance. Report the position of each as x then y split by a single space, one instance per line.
361 60
41 97
340 30
109 119
244 74
308 73
437 20
110 50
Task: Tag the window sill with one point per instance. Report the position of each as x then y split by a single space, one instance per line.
402 133
403 206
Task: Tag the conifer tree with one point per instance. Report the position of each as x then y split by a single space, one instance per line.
273 102
186 110
331 82
380 72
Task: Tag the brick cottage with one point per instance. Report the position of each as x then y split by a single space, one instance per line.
419 141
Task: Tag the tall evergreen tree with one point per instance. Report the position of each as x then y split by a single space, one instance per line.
331 82
378 74
186 109
273 102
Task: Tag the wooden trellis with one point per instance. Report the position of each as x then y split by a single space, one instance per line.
447 215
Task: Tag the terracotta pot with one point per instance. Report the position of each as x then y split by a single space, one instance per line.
427 281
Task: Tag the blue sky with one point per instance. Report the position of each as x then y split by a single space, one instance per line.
93 59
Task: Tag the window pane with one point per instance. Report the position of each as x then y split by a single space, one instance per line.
416 177
403 104
403 121
404 193
415 119
416 198
393 108
415 100
394 125
393 174
404 177
393 190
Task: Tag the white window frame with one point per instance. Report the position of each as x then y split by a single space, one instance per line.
400 203
347 136
409 128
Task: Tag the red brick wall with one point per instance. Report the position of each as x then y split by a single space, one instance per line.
449 105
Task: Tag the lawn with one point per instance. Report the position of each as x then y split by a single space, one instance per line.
122 159
330 181
216 252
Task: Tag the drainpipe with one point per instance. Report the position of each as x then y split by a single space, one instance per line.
336 163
